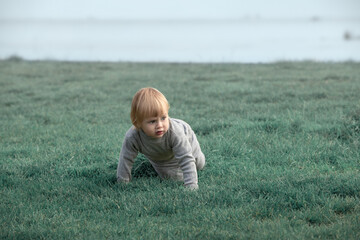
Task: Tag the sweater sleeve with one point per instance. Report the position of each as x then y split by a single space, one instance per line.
183 152
128 153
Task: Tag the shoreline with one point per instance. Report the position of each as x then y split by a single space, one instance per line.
15 58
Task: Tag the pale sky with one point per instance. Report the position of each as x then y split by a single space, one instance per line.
177 9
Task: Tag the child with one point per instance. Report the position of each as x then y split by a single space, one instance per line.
169 144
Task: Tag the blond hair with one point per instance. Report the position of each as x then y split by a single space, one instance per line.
147 102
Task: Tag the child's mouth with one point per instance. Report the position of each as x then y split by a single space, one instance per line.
159 132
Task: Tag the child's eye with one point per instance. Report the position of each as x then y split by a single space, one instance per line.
163 118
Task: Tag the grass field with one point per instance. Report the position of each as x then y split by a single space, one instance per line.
281 141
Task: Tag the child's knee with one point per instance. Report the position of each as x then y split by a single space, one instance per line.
200 162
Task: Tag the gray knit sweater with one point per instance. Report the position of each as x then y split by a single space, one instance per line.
172 156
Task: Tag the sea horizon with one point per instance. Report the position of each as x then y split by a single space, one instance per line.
245 39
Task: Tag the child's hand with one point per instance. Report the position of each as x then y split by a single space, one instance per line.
119 180
192 187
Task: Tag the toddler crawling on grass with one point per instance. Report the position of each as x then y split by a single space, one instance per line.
169 144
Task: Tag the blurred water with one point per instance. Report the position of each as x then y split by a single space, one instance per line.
248 40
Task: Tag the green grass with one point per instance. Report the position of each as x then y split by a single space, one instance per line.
281 141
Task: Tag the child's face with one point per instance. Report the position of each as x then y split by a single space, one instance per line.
155 127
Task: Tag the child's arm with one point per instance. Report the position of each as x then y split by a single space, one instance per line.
183 151
127 155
